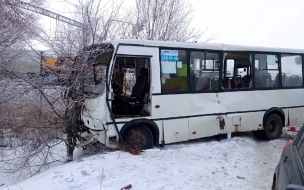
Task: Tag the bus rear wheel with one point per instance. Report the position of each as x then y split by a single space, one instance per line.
139 138
273 127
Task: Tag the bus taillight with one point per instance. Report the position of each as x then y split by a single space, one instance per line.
292 128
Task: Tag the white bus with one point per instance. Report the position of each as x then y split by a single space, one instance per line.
158 92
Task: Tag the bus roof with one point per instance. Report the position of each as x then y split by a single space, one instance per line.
194 45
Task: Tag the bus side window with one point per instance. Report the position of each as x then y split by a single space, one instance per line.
204 71
267 74
238 65
174 70
291 66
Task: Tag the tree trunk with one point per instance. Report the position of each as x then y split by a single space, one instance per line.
72 124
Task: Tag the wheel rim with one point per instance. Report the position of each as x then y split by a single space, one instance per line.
136 139
273 127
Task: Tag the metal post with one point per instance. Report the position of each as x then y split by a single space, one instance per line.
41 60
83 36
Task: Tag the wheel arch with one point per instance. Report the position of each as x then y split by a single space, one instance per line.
151 125
274 110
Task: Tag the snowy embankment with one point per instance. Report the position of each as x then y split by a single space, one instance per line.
17 159
241 163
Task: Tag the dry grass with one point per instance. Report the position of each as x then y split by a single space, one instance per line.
27 115
29 129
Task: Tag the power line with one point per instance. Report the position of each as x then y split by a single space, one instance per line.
55 16
51 14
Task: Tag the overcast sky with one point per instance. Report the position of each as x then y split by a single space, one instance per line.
277 23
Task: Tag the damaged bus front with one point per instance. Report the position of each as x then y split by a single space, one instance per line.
118 94
95 110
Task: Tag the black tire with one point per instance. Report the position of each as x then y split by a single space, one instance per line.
139 137
273 127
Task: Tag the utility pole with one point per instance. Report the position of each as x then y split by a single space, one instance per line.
57 17
41 62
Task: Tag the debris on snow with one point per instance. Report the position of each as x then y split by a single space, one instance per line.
127 187
239 177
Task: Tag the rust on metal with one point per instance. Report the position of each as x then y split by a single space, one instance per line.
238 128
222 122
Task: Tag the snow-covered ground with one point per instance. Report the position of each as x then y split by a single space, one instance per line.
241 163
13 159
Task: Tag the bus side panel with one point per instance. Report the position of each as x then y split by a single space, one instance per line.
170 106
296 116
245 109
209 122
247 103
160 129
176 130
248 122
204 103
203 126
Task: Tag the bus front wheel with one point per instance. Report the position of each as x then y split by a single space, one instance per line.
139 137
273 127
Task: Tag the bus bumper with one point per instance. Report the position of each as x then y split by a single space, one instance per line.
91 137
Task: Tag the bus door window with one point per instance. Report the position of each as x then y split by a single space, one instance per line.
118 80
291 66
131 84
238 65
267 73
204 71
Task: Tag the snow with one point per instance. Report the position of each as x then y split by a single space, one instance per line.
40 159
240 163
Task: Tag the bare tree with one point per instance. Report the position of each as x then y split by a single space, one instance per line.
28 123
55 105
168 20
39 109
16 27
163 20
16 24
98 20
